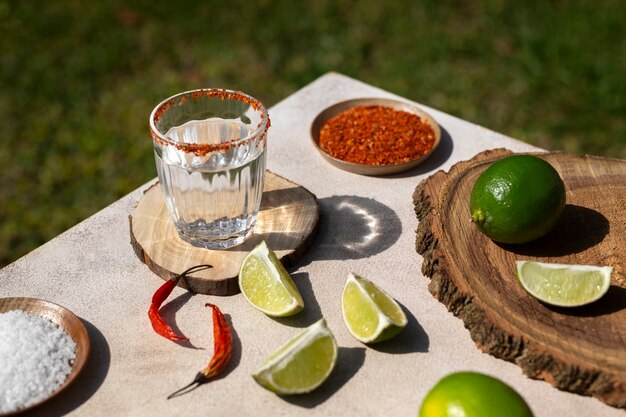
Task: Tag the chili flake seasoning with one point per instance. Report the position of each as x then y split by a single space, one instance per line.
376 135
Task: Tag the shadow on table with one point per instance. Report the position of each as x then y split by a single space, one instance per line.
411 339
312 311
86 384
353 227
434 161
168 312
236 356
349 361
234 362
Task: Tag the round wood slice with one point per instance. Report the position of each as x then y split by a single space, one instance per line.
582 350
287 221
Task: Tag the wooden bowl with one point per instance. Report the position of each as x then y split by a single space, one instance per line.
362 169
65 319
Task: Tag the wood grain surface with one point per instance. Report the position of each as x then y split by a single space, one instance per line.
287 221
582 350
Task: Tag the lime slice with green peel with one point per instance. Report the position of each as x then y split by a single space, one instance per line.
266 284
302 364
564 285
370 314
472 394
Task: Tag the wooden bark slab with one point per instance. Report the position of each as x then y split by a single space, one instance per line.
287 221
582 350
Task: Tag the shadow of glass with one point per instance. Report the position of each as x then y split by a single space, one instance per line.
349 361
411 339
612 302
275 199
579 228
277 224
353 228
434 161
88 381
276 241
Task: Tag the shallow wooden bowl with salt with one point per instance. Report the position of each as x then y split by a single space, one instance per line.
65 319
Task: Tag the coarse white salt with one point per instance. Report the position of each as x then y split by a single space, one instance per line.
35 359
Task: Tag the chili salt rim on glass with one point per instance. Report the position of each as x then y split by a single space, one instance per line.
373 170
204 148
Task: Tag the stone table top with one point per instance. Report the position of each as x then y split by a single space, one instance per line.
367 226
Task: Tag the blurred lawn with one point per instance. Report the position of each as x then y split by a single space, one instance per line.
78 80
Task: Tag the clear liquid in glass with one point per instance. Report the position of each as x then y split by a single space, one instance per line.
212 199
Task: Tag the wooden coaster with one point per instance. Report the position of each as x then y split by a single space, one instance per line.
580 349
287 221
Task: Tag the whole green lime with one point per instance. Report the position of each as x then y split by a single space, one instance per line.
517 199
471 394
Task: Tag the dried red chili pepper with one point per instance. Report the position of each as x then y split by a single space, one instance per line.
158 322
222 351
376 135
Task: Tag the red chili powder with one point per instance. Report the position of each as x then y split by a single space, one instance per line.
376 135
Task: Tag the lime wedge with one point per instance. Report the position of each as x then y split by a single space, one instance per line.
564 285
370 314
301 364
266 284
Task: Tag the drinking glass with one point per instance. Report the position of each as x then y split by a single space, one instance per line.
209 146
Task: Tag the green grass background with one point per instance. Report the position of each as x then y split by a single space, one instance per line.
78 80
